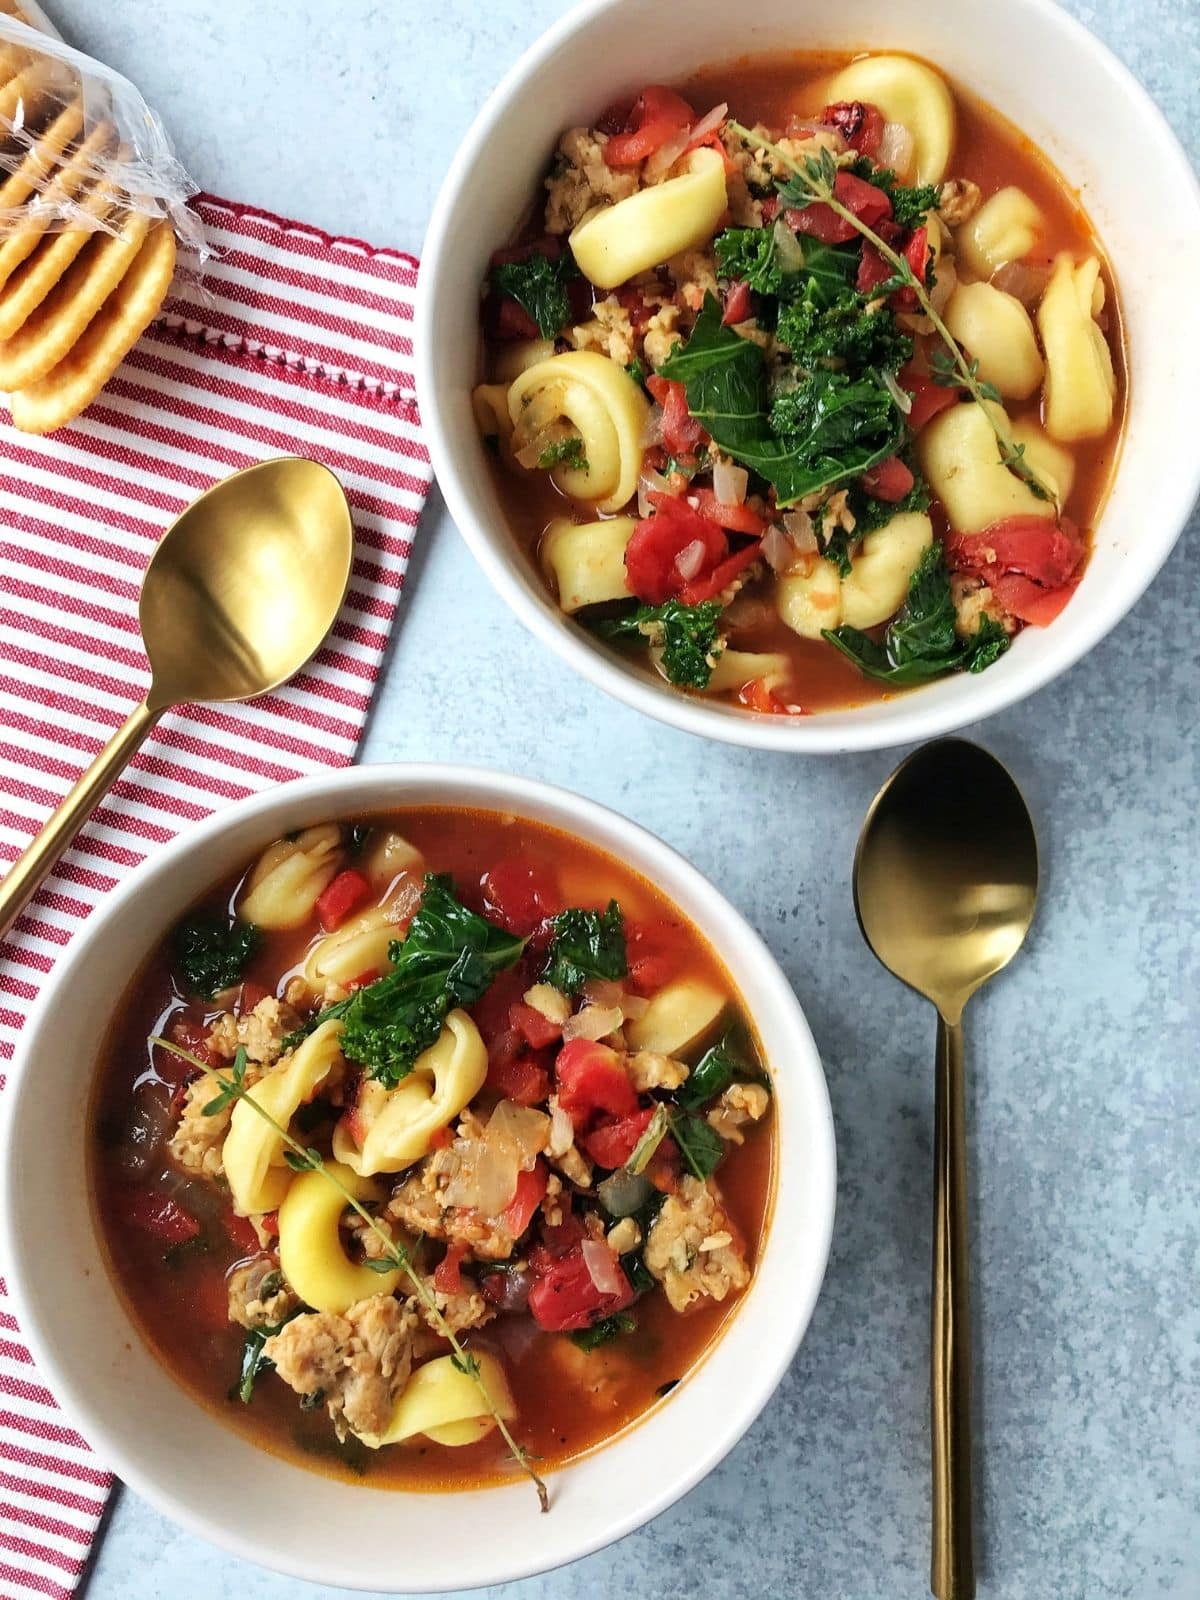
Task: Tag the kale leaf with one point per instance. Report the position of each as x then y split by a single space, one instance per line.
539 285
921 642
448 958
212 953
843 330
586 944
870 513
700 1145
687 636
568 451
601 1332
254 1362
837 422
733 1060
909 204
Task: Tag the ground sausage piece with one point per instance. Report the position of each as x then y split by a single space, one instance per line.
581 179
692 1250
259 1296
198 1139
358 1362
740 1104
260 1032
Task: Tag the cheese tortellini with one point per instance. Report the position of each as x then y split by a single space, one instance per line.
961 459
604 406
998 331
489 402
875 589
359 946
677 1017
283 888
517 356
1005 228
399 1124
443 1402
586 561
257 1173
1081 386
311 1253
386 855
909 92
615 244
736 668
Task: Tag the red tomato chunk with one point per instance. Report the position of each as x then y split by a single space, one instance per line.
591 1079
564 1297
658 114
340 897
611 1142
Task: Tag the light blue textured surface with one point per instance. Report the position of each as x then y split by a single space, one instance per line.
1085 1089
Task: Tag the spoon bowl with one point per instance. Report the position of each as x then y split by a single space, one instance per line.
945 885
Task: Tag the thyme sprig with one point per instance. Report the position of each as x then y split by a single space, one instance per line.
813 180
303 1158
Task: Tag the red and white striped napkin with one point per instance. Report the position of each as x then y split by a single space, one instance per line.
297 343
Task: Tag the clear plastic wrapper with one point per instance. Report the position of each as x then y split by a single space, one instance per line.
79 147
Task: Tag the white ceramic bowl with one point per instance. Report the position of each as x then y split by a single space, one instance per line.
203 1474
1036 65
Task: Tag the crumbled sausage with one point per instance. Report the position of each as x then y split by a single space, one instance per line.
691 1249
358 1363
198 1139
973 601
648 1070
581 179
259 1296
958 201
740 1104
260 1032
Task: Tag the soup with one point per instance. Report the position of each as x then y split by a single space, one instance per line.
428 1141
804 381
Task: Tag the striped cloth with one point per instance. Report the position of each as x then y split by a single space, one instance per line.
298 343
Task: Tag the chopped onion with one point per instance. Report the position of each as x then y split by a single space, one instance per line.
603 1268
800 531
593 1022
486 1179
901 396
603 992
652 429
690 560
529 455
729 482
146 1129
624 1193
562 1132
649 483
707 124
788 250
520 1126
203 1200
633 1005
895 148
805 128
1024 283
777 549
665 157
947 282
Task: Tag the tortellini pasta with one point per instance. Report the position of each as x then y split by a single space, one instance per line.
603 405
311 1253
386 855
586 561
679 1016
257 1174
615 244
1081 386
996 328
444 1403
399 1124
961 459
1005 228
516 356
489 402
359 946
1053 465
810 602
909 92
284 886
736 668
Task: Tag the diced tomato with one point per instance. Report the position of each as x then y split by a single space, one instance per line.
557 1239
531 1191
737 518
442 1139
658 113
591 1079
916 254
507 319
564 1296
928 397
520 895
1027 600
447 1275
270 1223
634 302
1036 547
656 543
251 994
654 954
666 1167
363 979
158 1215
872 269
858 121
868 203
190 1034
340 897
521 1079
888 480
537 1029
720 577
242 1232
611 1142
758 697
490 1011
739 303
682 434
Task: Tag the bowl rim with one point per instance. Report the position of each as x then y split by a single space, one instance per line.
922 713
573 814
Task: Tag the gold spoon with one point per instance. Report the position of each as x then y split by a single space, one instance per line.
945 883
240 592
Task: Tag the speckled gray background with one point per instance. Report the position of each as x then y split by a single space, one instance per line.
1086 1089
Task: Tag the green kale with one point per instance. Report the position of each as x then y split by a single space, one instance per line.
448 958
870 513
837 550
586 944
833 418
819 272
921 642
843 331
637 371
909 204
603 1331
687 636
568 451
700 1145
539 285
733 1060
212 953
254 1362
750 253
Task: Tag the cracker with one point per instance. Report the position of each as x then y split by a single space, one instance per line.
74 383
78 170
34 278
41 161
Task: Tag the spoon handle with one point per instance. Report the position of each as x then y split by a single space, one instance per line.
953 1564
27 871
